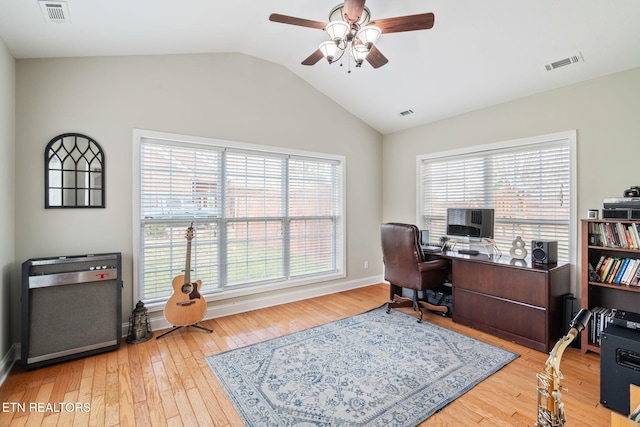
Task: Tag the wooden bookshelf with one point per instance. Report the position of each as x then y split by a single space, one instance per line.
620 296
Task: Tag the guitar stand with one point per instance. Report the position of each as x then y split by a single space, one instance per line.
175 328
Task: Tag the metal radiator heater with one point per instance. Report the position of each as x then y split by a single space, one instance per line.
71 307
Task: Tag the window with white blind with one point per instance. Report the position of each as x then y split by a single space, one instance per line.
529 182
263 217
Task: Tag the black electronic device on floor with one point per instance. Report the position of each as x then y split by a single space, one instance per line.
441 295
619 366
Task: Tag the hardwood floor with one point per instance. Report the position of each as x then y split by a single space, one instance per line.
168 382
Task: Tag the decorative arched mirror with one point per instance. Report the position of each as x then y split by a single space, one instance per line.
73 172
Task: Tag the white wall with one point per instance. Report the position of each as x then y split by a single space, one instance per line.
222 96
604 112
9 290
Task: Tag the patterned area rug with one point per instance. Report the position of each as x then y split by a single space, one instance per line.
372 369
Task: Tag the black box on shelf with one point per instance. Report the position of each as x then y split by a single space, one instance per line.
616 213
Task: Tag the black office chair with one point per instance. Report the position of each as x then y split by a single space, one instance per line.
406 267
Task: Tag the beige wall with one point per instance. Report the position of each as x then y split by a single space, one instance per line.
222 96
9 291
239 98
603 111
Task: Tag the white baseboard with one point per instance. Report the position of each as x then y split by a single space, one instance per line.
7 362
255 302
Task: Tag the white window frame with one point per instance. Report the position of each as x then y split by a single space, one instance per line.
139 135
569 136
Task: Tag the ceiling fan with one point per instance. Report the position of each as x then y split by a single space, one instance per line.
350 28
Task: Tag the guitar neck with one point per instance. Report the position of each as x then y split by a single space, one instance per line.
187 267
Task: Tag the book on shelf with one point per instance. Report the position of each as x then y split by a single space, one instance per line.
635 278
599 264
617 271
624 263
614 270
606 267
635 236
600 318
616 234
629 272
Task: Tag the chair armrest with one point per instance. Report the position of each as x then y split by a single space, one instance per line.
436 264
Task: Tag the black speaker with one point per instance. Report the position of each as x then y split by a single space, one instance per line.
544 251
619 366
569 311
71 307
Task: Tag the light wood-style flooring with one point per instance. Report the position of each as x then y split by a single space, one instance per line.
168 382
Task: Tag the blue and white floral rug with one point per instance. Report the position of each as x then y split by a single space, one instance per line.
372 369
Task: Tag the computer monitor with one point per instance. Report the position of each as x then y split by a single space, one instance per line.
470 222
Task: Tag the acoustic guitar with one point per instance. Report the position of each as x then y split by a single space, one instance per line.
186 306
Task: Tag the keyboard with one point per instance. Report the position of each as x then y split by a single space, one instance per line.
431 248
468 252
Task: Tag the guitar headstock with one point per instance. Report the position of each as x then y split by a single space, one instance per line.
190 232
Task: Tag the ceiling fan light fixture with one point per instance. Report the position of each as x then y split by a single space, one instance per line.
329 50
337 30
369 35
359 35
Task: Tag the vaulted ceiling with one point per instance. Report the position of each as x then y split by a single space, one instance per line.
479 52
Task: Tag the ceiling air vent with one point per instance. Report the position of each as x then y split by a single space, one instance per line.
55 11
406 112
573 59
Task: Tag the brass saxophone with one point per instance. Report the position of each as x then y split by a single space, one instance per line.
550 407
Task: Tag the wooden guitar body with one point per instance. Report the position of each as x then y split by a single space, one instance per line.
186 306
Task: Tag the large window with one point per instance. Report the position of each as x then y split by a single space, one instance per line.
528 182
263 217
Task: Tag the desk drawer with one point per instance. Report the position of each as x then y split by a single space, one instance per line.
521 285
519 322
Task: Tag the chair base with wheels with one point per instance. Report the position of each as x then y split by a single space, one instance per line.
417 304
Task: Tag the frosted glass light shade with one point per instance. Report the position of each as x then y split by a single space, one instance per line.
329 50
359 52
337 30
369 35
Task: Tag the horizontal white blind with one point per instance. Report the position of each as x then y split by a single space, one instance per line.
258 217
178 184
179 181
528 186
255 206
313 210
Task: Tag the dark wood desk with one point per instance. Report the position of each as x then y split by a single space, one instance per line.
511 299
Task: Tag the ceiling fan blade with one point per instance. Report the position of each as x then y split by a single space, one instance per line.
313 58
291 20
376 58
353 10
423 21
